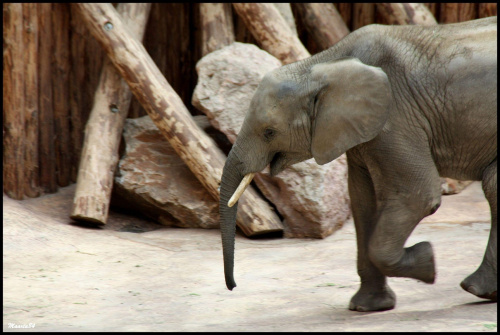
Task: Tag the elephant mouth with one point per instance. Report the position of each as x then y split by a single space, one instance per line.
278 163
282 160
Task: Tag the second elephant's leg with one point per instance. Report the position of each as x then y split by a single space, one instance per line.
483 282
374 293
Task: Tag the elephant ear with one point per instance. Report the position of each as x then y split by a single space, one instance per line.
351 106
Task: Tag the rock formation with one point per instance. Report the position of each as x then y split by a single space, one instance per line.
153 179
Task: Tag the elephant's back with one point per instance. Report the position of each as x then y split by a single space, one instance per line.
452 78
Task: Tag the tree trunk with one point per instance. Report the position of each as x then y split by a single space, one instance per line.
362 14
60 87
13 103
104 128
77 84
487 10
216 26
30 40
323 22
406 13
271 30
47 150
168 112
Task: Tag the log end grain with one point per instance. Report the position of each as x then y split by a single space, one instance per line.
89 209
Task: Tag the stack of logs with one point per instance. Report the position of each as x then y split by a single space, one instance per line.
129 69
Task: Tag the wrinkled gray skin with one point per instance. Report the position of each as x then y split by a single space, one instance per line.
408 104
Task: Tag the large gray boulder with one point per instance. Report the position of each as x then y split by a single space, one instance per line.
312 199
154 180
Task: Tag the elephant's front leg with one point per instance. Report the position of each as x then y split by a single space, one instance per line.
407 188
374 293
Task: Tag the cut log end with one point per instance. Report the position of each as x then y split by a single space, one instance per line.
89 209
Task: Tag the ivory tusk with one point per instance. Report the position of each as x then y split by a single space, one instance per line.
239 191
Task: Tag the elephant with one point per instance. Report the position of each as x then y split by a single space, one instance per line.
408 105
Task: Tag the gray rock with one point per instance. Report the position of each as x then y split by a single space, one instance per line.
312 199
154 180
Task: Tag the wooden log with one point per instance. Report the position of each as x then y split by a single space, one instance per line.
433 7
241 32
60 90
487 10
179 65
406 13
157 34
46 117
216 26
285 11
13 101
380 18
345 10
104 128
86 63
271 30
302 32
168 112
174 47
30 39
323 22
362 14
458 12
94 59
77 84
448 12
466 12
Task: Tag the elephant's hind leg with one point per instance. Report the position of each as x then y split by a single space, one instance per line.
374 293
483 282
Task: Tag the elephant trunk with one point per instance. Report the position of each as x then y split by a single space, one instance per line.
231 178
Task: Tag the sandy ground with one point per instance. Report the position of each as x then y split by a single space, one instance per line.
59 276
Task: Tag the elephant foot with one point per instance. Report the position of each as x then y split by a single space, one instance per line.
482 284
368 300
417 262
423 267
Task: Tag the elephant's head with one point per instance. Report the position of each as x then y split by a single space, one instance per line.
300 111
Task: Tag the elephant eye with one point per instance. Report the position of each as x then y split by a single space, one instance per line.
269 133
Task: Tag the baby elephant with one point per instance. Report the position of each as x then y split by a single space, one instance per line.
408 104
